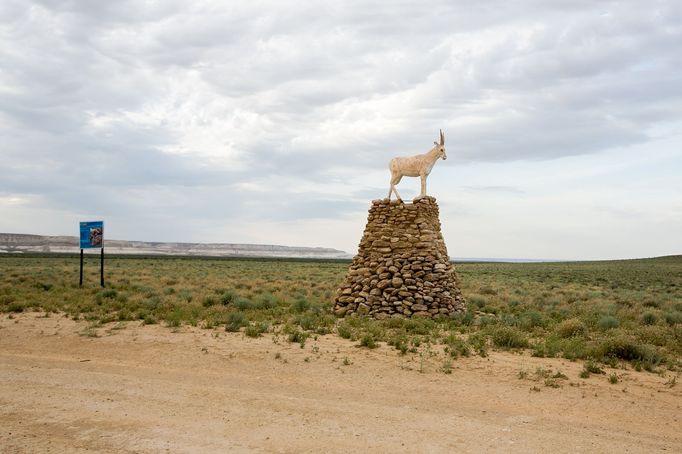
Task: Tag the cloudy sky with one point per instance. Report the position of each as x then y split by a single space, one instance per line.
273 122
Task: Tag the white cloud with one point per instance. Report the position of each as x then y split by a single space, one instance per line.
281 118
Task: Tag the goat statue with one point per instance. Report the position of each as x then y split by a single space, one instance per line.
416 166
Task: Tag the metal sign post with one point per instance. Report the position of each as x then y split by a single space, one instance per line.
92 237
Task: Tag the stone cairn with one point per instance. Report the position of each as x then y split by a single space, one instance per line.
402 267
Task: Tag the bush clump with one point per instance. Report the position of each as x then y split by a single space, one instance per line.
368 341
627 349
228 297
509 337
456 346
649 318
608 322
235 321
572 327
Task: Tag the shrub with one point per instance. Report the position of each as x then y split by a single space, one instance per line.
368 341
344 331
300 305
456 346
487 290
531 319
15 306
228 297
298 337
592 368
317 322
266 301
186 295
44 286
209 301
243 304
509 337
572 327
649 318
255 330
625 348
479 343
235 321
422 326
608 322
465 319
673 318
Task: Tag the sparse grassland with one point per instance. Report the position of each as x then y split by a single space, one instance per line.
615 313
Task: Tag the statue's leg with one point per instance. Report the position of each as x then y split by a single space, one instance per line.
396 193
395 180
423 192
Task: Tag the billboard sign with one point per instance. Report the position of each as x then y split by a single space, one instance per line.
92 234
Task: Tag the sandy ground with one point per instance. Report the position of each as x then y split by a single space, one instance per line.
150 389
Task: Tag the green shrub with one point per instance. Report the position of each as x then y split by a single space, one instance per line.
673 318
344 331
109 293
266 301
572 327
300 305
487 320
235 321
243 304
298 337
608 322
228 297
256 329
487 290
456 346
421 326
478 342
464 319
209 301
649 318
531 319
15 306
508 337
592 368
367 340
44 286
625 348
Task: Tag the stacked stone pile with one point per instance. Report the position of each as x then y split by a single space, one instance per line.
402 267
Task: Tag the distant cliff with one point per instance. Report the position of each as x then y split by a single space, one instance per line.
21 243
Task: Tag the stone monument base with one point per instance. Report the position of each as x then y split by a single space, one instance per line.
402 267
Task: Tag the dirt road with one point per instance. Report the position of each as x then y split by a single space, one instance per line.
149 389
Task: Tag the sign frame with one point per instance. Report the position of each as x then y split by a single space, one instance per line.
92 235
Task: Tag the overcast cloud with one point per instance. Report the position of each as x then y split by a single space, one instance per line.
273 122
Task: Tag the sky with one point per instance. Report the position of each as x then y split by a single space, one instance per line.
273 122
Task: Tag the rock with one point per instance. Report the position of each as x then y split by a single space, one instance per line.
383 284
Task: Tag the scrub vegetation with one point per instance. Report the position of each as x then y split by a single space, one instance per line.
613 313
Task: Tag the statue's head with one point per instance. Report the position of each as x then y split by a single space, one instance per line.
441 146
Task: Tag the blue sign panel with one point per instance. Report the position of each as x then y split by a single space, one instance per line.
92 234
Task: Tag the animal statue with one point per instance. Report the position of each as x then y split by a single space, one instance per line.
416 166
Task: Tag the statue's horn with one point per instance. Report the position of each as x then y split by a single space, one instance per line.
442 138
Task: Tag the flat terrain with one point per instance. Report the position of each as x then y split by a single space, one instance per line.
66 386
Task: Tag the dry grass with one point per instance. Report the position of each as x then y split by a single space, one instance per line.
611 312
